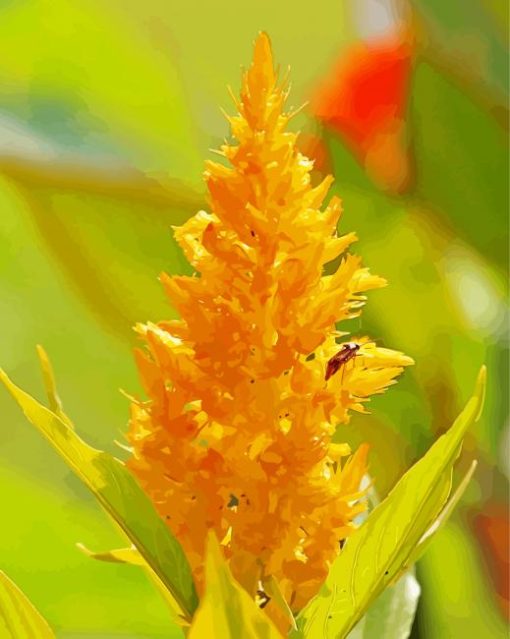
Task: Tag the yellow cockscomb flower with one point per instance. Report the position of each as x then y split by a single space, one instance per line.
237 433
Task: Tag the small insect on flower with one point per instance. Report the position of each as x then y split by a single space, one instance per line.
262 598
344 355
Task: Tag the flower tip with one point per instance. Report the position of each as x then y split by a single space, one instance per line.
263 43
263 56
140 328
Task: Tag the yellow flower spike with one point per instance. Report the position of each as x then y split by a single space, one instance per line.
236 434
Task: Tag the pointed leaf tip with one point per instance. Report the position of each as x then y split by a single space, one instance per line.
54 402
480 388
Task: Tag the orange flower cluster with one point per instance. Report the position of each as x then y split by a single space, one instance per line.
236 436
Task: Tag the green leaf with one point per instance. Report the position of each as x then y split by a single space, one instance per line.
381 548
19 619
391 616
119 493
227 611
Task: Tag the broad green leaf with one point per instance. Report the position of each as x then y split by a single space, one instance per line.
440 521
227 611
382 547
121 496
19 619
391 616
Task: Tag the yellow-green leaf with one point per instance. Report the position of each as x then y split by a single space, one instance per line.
119 493
19 619
227 611
382 547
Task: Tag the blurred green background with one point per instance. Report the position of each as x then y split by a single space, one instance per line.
107 111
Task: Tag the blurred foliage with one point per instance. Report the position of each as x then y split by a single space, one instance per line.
106 114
